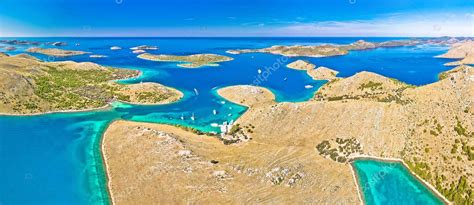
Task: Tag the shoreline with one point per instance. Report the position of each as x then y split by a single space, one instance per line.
103 154
105 165
390 159
108 105
105 107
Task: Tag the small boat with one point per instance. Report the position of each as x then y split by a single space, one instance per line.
229 114
196 91
308 86
259 71
214 112
192 117
222 102
285 78
182 117
214 125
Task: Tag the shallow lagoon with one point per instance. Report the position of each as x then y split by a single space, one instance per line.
55 158
384 182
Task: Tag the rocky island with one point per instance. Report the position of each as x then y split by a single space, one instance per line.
297 50
320 73
31 86
114 48
19 42
55 52
144 47
327 50
369 114
98 56
190 61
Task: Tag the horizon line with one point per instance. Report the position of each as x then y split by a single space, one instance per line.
236 36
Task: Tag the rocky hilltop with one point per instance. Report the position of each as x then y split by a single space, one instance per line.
288 160
464 51
301 65
323 73
364 86
29 86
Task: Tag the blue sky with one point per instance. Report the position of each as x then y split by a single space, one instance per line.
236 18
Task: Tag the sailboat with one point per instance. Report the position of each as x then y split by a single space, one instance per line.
192 117
196 91
182 117
214 112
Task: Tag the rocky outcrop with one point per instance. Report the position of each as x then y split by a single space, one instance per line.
247 95
323 73
301 65
460 50
463 51
98 56
144 47
360 45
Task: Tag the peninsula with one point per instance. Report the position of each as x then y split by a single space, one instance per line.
190 61
367 114
31 86
463 51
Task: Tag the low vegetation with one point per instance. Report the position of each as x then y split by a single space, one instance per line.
35 86
339 149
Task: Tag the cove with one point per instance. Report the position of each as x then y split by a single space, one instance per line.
390 182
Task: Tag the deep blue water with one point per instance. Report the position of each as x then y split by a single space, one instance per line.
55 158
391 183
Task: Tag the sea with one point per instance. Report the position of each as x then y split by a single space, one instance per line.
55 158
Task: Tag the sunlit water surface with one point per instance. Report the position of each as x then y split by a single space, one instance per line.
55 158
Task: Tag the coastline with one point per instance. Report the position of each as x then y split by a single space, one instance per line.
99 146
105 165
389 159
105 107
356 179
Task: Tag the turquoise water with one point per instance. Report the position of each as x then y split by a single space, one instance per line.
55 158
391 183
